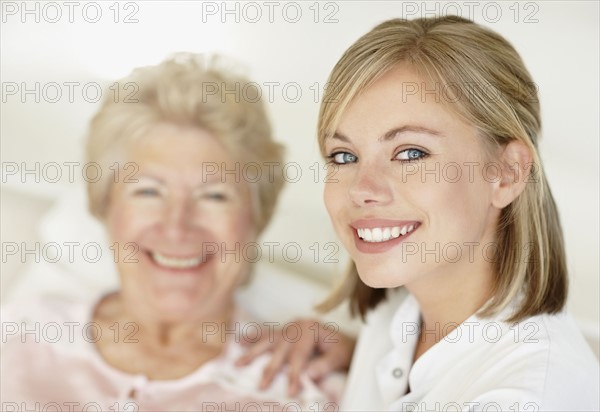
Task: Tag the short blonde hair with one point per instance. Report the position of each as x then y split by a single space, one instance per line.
189 90
503 106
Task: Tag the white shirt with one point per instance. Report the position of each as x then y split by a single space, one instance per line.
542 363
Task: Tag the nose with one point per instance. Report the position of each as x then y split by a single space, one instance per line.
178 219
370 186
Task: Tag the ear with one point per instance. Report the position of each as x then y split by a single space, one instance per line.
516 161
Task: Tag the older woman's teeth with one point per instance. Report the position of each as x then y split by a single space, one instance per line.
383 234
176 263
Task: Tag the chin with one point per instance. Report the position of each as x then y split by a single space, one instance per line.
384 277
176 306
379 283
173 310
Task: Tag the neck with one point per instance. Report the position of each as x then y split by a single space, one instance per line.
449 297
160 332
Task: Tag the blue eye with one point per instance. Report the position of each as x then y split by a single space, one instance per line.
411 155
341 158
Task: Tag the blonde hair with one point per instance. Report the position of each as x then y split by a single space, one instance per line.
189 90
489 86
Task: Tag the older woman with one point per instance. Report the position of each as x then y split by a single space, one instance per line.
441 200
185 185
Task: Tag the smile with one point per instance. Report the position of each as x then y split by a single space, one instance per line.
174 262
383 234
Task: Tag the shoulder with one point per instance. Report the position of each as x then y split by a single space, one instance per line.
542 362
554 341
45 308
41 336
572 367
47 319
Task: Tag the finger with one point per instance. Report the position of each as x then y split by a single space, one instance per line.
280 354
299 357
294 385
255 351
246 341
249 339
321 366
339 352
333 359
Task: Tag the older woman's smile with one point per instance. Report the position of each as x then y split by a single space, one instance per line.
174 262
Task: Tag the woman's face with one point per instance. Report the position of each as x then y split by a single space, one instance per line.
176 223
410 197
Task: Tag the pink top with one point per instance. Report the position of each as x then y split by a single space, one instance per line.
49 362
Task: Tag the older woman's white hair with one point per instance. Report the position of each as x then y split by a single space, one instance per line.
191 90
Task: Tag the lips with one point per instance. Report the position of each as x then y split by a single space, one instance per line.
380 235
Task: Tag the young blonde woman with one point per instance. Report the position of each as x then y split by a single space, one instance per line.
438 193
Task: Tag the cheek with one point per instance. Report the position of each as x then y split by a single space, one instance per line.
334 198
117 222
471 195
125 222
457 208
337 204
236 226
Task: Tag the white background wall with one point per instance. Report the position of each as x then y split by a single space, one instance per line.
557 39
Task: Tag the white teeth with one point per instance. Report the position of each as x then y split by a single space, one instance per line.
377 234
383 234
387 233
176 263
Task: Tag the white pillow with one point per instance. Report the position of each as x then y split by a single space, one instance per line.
83 241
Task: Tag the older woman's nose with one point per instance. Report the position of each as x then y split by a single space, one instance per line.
178 222
370 185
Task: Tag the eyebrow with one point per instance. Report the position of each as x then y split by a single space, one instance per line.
395 132
147 176
211 180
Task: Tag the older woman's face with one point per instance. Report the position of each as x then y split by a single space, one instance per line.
181 218
411 193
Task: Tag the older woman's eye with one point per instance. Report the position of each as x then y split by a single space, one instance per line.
217 196
411 155
146 192
342 158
